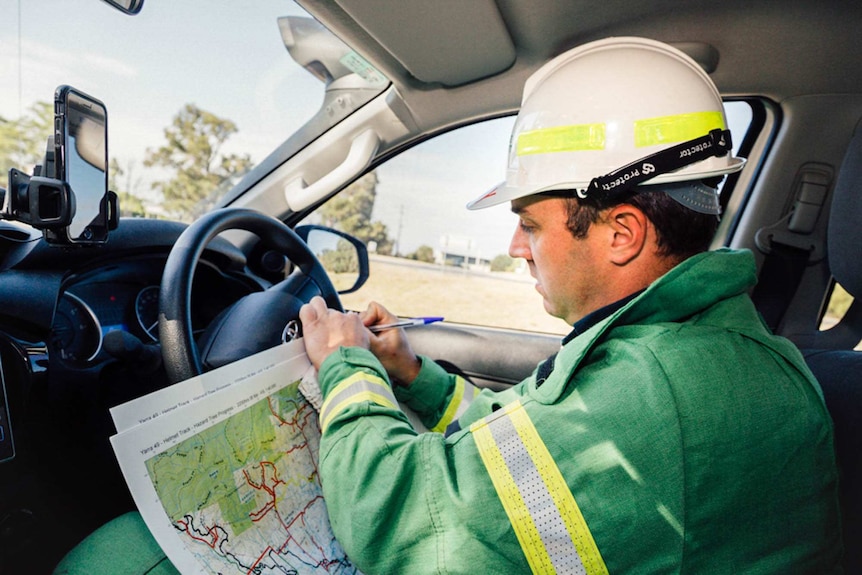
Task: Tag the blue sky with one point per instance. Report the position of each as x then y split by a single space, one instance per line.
145 68
137 66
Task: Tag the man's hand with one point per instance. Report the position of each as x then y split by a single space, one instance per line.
324 330
391 346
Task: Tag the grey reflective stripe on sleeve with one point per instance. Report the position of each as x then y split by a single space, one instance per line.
357 388
544 515
470 392
462 397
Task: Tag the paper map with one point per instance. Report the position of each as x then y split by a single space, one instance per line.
223 468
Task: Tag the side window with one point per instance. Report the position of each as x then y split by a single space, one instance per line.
739 118
430 256
741 122
752 122
837 303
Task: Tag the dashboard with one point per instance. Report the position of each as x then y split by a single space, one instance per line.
60 375
59 307
125 297
79 335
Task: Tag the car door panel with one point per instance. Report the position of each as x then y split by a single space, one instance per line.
494 358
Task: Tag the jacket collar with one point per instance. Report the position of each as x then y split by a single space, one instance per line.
591 319
689 288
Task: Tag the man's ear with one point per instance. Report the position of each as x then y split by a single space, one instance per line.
630 231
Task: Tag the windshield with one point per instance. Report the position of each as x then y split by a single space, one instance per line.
199 98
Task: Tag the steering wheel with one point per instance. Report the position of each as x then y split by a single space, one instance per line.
255 322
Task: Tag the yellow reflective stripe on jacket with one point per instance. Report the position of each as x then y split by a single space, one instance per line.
574 138
676 128
544 515
462 397
357 388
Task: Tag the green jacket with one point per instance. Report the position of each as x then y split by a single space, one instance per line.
690 438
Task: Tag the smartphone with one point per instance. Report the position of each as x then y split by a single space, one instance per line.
81 160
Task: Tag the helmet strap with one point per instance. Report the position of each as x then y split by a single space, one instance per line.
610 186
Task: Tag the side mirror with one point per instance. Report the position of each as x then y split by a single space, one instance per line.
344 257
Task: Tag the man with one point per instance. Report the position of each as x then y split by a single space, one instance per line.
671 433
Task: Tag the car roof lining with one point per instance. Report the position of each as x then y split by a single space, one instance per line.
759 47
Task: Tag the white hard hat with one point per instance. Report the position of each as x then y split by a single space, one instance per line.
596 118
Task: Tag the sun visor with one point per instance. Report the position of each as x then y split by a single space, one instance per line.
436 41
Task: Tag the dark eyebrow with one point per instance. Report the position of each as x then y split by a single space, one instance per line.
551 194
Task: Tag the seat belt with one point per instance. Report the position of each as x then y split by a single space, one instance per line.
791 245
779 279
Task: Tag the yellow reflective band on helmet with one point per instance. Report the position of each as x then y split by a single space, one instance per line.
544 515
677 128
461 399
575 138
357 388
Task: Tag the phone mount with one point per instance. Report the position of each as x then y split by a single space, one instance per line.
48 204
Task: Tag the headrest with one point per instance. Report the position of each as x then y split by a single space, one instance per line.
844 238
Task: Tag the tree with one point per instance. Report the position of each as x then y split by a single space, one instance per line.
23 141
192 152
130 203
423 254
8 148
502 263
341 260
350 211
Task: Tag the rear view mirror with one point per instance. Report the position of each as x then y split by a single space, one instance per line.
130 7
344 257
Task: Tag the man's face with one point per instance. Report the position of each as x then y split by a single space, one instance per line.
570 273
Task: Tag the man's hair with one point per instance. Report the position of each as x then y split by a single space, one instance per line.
681 232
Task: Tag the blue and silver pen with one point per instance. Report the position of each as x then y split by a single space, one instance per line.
411 322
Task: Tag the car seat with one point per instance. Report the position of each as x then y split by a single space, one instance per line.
838 368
